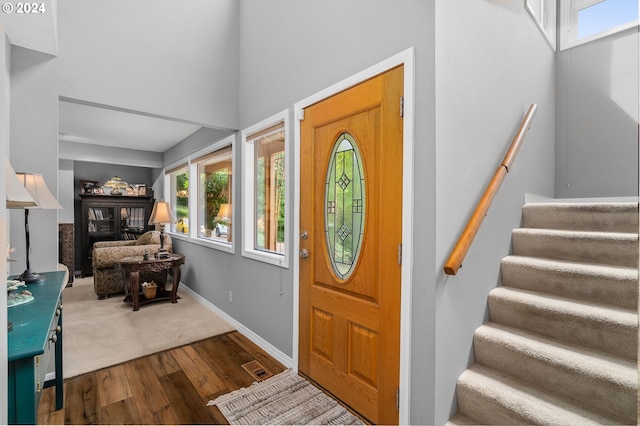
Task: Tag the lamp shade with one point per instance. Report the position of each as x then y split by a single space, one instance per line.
17 195
37 188
161 213
225 212
116 184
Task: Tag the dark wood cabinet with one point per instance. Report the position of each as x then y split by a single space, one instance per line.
110 218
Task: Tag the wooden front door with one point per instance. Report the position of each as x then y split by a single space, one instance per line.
351 234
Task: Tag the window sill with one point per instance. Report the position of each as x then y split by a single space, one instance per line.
266 257
216 245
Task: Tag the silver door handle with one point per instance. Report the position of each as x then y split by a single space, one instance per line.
304 253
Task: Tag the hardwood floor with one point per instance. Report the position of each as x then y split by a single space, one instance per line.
170 387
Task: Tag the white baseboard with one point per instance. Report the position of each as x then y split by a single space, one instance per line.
283 358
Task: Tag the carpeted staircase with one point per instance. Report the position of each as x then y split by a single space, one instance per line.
561 343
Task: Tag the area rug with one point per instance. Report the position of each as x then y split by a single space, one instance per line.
284 399
101 333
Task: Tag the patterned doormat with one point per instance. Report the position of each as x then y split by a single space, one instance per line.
284 399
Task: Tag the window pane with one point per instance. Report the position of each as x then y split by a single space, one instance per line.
344 206
605 15
214 201
269 186
180 186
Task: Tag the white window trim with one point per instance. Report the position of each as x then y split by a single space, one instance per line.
192 170
248 196
569 24
542 17
167 193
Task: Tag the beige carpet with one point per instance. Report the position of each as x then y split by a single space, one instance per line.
284 399
561 343
102 333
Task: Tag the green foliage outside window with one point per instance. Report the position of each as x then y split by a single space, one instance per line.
182 197
262 187
217 188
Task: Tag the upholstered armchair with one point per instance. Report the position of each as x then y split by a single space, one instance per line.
107 277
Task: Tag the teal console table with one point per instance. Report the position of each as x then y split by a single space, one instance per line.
36 335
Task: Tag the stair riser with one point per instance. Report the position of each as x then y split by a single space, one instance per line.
615 398
485 410
620 290
596 333
616 218
580 248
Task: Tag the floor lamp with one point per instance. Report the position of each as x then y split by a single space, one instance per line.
37 188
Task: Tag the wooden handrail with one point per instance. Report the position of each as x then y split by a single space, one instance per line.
466 238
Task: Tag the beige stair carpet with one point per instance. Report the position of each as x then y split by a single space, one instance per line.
561 343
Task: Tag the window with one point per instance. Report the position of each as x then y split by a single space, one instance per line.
265 190
214 194
201 196
587 20
543 13
178 196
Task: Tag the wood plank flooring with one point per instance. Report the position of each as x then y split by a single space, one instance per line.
170 387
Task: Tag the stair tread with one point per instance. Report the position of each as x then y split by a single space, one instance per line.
571 357
572 266
568 305
580 232
606 284
527 404
586 207
595 216
606 382
610 329
615 248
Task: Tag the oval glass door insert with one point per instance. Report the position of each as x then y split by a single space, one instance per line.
344 206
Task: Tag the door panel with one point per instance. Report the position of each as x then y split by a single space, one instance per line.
351 209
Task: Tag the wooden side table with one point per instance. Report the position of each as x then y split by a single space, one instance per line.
131 268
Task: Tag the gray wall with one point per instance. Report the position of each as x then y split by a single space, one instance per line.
491 64
102 172
289 56
128 55
288 51
597 132
109 155
196 141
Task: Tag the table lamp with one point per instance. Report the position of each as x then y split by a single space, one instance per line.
17 198
37 188
17 195
160 215
224 215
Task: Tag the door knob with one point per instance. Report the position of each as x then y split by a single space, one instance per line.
304 253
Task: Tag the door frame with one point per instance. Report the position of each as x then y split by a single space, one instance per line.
405 58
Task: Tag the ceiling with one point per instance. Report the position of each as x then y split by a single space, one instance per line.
112 128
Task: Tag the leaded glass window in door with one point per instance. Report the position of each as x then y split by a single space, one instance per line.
344 205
